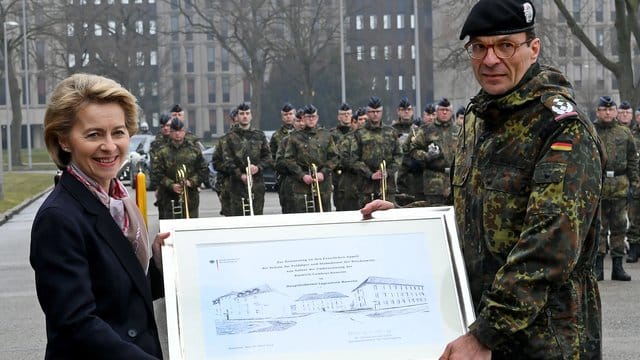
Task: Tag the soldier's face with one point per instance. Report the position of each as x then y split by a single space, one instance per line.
497 76
288 117
443 114
244 117
606 114
298 123
428 118
344 117
624 116
638 117
177 135
178 114
405 113
374 115
362 120
310 120
165 129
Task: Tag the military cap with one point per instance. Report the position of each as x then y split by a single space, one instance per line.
299 113
430 109
361 112
444 102
606 101
164 118
310 110
286 107
244 107
490 17
233 113
176 108
176 124
460 111
344 107
404 103
624 105
374 102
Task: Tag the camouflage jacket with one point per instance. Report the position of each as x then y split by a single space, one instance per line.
371 145
621 170
341 135
526 185
171 157
308 146
276 139
241 144
434 147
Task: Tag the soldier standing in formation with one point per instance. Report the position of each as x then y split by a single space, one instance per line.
434 148
404 123
429 114
306 147
410 181
358 118
245 142
161 139
625 116
222 177
621 177
287 116
286 180
179 167
373 144
340 176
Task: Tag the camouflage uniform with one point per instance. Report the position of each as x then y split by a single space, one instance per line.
621 175
222 178
370 146
410 179
241 144
344 197
275 145
285 179
526 191
156 145
633 211
434 147
304 147
168 160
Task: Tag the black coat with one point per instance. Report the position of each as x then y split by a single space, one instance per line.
96 298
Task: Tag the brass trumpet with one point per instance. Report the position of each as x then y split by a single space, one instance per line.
383 181
247 204
315 191
181 178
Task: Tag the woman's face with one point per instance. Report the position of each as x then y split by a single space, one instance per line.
98 142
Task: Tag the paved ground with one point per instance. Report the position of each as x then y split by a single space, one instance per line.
23 335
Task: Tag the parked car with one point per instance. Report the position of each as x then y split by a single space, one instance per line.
138 160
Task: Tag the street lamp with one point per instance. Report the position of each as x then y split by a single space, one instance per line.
6 89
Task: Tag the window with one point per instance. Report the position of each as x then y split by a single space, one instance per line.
70 29
400 82
246 90
139 58
577 75
387 83
111 27
412 21
599 10
175 60
400 52
577 48
387 52
191 91
576 10
40 53
359 52
71 61
152 27
139 27
123 29
211 58
97 30
373 52
188 31
562 46
413 52
211 90
141 89
226 89
359 24
175 27
400 19
373 22
176 91
153 58
386 21
600 39
189 56
42 90
224 60
154 88
599 76
413 82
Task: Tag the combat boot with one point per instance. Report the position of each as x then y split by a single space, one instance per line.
617 272
599 267
634 252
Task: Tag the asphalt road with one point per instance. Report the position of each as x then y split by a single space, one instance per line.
22 322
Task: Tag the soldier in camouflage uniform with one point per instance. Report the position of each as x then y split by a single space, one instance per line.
286 179
409 180
161 139
245 142
310 145
371 145
434 147
404 123
358 118
178 154
429 114
340 176
621 176
287 116
222 178
625 117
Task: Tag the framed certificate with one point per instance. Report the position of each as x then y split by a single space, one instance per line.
315 286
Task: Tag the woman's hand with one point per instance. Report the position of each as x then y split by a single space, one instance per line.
156 248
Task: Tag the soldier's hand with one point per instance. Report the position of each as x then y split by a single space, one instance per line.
466 346
320 177
375 205
177 188
254 169
307 179
433 149
243 177
376 175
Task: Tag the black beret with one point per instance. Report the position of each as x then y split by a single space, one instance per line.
344 107
374 102
286 107
244 107
491 17
176 108
460 111
606 101
176 124
299 113
233 113
624 105
430 109
310 109
360 112
404 103
444 102
164 118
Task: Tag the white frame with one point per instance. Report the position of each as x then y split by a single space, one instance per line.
433 228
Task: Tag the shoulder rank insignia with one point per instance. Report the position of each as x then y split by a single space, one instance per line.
562 109
562 146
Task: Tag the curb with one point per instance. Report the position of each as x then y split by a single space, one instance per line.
6 216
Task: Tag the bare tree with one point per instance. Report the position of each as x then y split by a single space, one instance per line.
627 26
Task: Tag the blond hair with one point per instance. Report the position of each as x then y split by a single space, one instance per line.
73 94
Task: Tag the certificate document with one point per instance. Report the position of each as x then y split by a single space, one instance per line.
315 286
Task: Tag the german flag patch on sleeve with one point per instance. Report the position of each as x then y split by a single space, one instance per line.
562 146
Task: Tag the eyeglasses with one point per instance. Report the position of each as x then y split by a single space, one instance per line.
607 109
374 111
502 49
